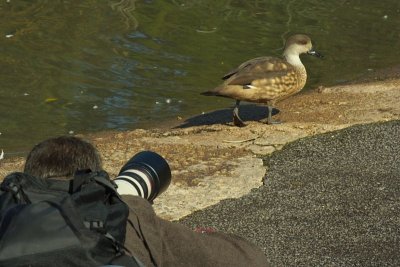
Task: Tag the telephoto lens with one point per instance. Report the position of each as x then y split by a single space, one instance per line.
147 174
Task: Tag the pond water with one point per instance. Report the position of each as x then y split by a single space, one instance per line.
85 66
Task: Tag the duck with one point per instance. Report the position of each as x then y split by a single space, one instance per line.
267 79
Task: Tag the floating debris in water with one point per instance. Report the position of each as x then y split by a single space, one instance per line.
50 99
71 132
9 35
95 107
2 154
385 17
214 29
26 94
168 100
157 103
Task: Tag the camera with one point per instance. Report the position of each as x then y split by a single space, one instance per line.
146 174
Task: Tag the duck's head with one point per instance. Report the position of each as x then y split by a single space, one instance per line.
299 44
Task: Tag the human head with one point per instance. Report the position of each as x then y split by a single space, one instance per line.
61 157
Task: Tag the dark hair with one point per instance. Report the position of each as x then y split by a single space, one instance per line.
62 157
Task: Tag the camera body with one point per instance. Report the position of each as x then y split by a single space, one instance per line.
146 174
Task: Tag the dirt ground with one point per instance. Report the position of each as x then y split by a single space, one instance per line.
212 160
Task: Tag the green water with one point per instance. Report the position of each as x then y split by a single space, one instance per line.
85 66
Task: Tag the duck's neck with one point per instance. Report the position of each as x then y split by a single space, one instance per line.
294 60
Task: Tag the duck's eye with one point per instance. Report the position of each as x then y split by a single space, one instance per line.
302 42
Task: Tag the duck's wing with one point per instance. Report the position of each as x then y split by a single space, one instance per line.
245 65
257 68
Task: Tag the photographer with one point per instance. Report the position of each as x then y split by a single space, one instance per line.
154 241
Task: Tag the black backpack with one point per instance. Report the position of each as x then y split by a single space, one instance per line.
48 222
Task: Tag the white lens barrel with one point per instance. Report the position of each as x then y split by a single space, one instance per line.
128 183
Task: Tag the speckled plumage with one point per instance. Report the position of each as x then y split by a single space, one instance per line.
267 79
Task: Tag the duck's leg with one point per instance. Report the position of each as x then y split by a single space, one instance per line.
269 118
236 119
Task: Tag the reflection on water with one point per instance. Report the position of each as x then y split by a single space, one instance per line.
126 8
82 66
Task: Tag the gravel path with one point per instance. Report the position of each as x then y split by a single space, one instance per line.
328 200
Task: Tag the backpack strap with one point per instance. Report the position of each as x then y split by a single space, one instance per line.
18 193
101 177
125 260
16 183
81 177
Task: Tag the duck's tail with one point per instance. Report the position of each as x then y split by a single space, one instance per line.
209 93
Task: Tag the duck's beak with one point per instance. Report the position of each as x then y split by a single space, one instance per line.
314 53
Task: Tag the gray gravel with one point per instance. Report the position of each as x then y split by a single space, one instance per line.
328 200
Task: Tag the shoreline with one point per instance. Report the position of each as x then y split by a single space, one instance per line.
212 160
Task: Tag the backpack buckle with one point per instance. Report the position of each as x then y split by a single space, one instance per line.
96 225
17 192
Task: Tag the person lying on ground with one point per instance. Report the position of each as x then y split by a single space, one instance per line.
155 241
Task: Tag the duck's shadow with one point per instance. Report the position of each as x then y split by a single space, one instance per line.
248 112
